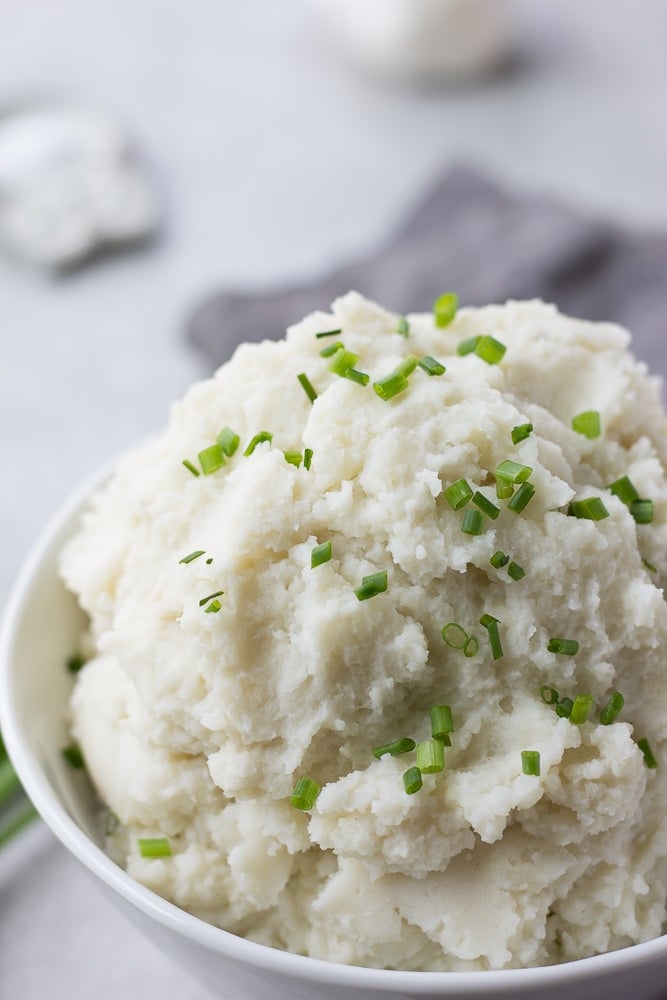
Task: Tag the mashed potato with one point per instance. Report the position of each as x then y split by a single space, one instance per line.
219 680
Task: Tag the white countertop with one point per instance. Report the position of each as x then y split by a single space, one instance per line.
274 160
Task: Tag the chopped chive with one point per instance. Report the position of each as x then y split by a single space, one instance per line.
471 646
293 458
391 385
395 748
458 494
442 723
566 647
190 467
624 490
73 755
515 571
444 308
431 366
342 361
473 522
330 349
371 586
327 333
111 823
513 471
305 794
485 505
75 663
468 346
490 350
307 386
649 566
504 489
580 709
522 498
642 511
320 554
307 457
499 559
649 757
209 561
612 709
407 365
412 780
430 756
402 326
521 432
592 508
564 708
213 607
549 695
361 378
210 597
258 439
530 762
154 847
192 556
211 459
587 423
229 441
454 635
491 625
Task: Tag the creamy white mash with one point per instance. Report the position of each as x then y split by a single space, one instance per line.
200 710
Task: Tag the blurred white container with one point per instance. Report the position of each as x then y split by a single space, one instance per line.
422 39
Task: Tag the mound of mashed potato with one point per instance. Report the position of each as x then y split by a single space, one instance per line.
225 666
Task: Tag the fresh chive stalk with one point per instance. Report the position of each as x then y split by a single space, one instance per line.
258 439
74 757
612 709
307 457
491 625
468 346
588 424
403 326
522 498
330 349
458 494
513 472
395 748
211 597
305 794
565 647
499 559
211 459
454 635
592 508
649 566
190 467
328 333
624 489
76 662
307 386
504 489
485 505
192 556
293 458
371 586
564 708
649 756
473 522
471 646
412 780
320 554
642 511
530 762
549 695
444 309
213 607
431 366
442 723
430 756
154 847
515 571
583 703
229 441
521 432
490 350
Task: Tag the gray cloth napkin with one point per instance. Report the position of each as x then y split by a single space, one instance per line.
488 245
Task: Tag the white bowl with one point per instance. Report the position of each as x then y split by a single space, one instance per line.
41 629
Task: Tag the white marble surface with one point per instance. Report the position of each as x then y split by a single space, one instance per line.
273 160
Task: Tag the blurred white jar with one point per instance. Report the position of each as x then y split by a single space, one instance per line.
422 39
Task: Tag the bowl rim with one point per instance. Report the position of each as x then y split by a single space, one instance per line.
212 938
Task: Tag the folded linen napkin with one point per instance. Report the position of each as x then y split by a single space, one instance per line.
488 245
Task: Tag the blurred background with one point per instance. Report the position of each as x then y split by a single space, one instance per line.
251 147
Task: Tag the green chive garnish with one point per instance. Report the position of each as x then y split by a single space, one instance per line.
193 555
515 571
468 346
580 709
320 554
258 439
612 709
642 511
549 695
649 757
343 363
473 522
504 489
454 635
209 561
190 467
458 494
491 625
293 458
649 566
395 748
111 823
228 441
307 457
307 386
75 663
521 432
430 756
213 607
485 505
361 378
402 326
431 366
210 597
471 646
154 847
444 308
499 559
73 755
592 508
371 586
442 723
566 647
624 490
490 350
587 423
305 794
412 780
391 385
564 708
522 498
328 333
513 472
211 459
330 349
530 762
